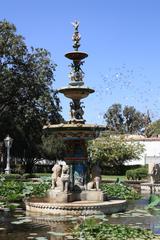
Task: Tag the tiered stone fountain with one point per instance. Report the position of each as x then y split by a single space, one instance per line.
75 185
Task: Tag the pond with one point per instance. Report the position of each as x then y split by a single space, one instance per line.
137 215
19 226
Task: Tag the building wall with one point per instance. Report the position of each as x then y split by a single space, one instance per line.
151 153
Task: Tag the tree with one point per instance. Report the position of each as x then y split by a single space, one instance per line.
127 120
27 98
52 147
114 117
113 151
153 129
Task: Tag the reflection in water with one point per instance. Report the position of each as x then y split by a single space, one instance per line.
19 226
59 227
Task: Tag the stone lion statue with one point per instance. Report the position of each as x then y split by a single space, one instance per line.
65 178
56 174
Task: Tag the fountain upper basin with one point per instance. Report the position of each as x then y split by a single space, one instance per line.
75 92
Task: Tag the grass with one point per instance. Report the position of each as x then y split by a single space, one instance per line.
113 177
26 175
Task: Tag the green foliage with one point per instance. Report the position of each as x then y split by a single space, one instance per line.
153 129
37 190
127 120
119 191
137 174
12 190
113 150
90 229
27 98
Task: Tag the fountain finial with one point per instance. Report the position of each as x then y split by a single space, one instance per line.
76 36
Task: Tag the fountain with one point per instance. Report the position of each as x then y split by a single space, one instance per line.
75 184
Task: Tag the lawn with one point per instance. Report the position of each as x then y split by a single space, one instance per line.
113 177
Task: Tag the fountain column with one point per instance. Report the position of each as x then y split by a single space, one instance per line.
76 154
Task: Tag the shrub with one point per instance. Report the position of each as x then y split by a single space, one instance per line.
131 174
141 173
137 174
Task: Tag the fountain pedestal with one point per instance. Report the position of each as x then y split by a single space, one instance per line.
63 197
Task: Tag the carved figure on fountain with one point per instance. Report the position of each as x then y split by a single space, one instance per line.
76 75
76 110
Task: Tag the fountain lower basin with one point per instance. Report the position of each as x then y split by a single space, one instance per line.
76 208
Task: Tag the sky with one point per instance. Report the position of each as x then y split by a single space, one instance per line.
121 37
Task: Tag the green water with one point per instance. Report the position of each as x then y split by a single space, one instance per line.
19 226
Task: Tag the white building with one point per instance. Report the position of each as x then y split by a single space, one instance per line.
152 149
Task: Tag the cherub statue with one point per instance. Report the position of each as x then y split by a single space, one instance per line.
72 110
